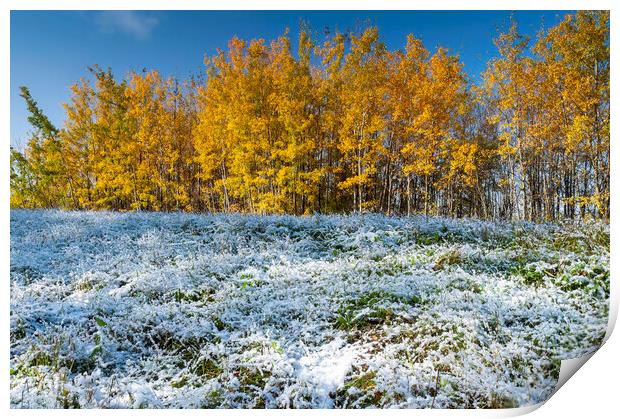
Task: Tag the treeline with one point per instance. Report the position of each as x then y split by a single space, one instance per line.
341 125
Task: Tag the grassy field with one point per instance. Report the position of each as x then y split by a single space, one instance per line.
171 310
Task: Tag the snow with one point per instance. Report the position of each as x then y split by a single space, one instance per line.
138 310
325 369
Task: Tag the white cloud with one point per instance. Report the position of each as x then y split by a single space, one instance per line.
130 22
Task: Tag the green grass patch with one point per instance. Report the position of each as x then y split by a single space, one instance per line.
360 391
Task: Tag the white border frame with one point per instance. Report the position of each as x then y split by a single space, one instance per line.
592 392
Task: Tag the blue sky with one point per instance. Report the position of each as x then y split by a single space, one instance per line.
50 50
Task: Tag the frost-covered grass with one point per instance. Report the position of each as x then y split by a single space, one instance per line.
170 310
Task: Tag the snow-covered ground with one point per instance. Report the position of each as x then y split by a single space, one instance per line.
176 310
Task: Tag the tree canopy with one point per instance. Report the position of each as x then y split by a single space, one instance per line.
342 124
